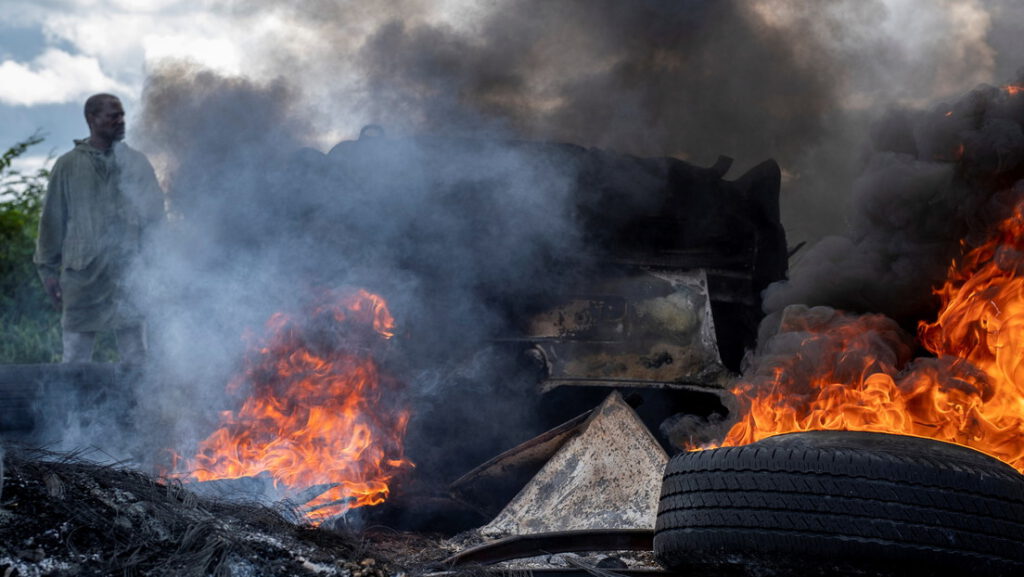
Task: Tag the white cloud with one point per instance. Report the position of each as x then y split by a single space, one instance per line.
30 164
218 54
116 42
55 77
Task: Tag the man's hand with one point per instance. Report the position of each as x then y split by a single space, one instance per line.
52 286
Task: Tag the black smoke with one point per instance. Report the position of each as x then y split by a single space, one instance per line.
449 230
935 182
267 205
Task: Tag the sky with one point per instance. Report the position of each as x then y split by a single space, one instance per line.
691 79
55 53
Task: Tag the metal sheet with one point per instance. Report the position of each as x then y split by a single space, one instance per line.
647 327
607 477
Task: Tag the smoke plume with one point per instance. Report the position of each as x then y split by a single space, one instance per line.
932 179
451 216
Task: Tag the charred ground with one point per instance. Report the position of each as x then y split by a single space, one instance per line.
64 515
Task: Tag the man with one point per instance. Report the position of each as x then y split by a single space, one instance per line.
102 198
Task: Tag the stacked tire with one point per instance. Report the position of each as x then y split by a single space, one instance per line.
841 503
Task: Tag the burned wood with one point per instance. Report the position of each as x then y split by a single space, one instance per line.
256 488
520 546
310 493
296 508
337 503
260 489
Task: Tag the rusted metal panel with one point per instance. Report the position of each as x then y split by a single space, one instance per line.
650 326
606 477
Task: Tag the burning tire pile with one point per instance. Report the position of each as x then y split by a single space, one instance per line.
824 501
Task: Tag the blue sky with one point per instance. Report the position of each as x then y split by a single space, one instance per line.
17 121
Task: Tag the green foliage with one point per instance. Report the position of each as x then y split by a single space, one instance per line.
29 325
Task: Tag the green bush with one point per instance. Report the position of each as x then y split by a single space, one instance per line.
29 325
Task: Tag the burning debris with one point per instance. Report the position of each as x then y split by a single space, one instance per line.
824 369
316 410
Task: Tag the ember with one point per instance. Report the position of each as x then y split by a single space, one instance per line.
972 394
318 410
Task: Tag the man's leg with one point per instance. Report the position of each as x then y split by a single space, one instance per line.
78 347
131 344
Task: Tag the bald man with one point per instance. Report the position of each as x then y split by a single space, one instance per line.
102 198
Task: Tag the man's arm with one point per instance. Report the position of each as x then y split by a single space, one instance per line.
50 242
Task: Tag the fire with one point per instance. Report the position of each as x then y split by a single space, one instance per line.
318 409
1013 89
852 372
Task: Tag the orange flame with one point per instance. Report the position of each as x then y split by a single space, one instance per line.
851 374
318 410
1013 89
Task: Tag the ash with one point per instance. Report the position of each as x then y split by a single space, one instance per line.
61 514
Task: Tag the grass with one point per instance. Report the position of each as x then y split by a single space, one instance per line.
30 339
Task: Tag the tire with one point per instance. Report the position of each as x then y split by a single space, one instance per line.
839 502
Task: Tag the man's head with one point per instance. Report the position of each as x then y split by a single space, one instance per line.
105 117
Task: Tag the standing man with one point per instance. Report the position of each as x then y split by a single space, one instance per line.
102 199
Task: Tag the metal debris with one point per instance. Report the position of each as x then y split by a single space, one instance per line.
644 328
607 477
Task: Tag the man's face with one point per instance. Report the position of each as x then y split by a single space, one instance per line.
108 123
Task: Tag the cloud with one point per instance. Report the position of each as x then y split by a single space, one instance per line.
55 77
218 54
30 164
